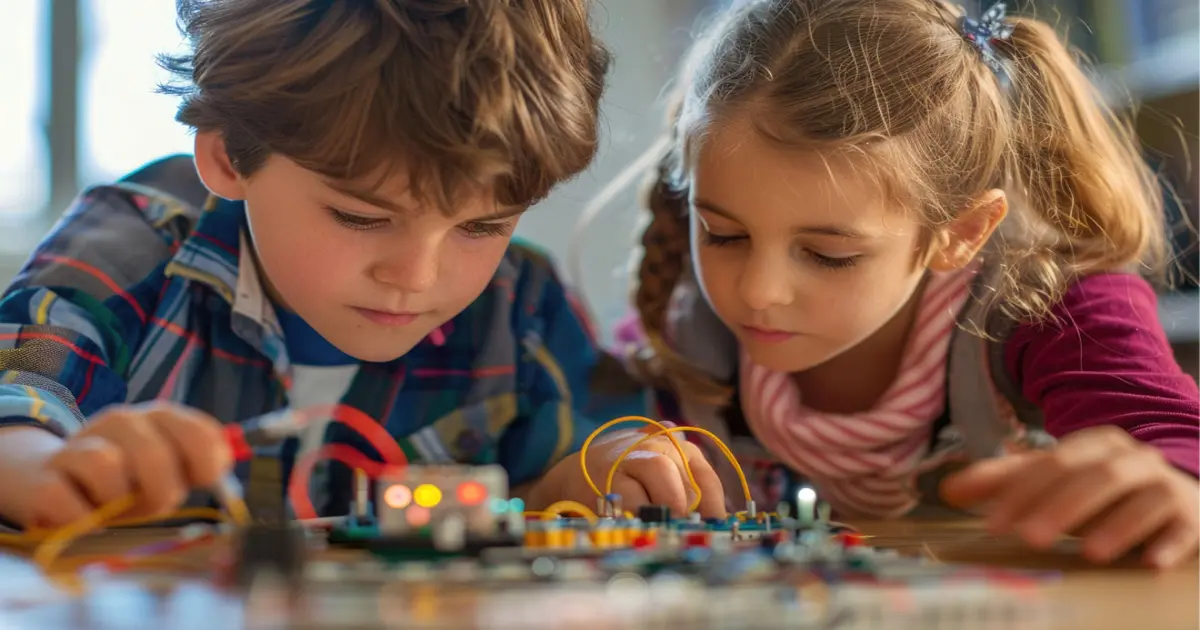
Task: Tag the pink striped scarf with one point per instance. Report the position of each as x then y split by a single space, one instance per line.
864 463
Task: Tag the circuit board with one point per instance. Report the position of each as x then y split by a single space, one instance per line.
447 548
498 566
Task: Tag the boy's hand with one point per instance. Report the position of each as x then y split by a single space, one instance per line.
652 473
1115 492
157 452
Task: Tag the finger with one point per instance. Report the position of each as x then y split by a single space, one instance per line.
712 494
199 442
686 469
633 495
1086 493
58 502
96 466
1131 522
981 481
1022 494
659 476
157 476
1176 543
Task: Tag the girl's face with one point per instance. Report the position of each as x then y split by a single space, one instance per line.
800 255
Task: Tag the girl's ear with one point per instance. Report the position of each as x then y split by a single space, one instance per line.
215 168
959 242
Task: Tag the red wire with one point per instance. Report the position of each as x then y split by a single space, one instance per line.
370 430
302 474
373 432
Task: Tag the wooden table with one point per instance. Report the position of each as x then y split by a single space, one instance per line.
1121 597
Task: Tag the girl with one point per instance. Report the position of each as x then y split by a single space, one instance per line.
888 242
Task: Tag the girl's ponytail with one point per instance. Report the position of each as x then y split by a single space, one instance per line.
1090 203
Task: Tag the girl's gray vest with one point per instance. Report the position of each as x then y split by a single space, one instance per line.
979 425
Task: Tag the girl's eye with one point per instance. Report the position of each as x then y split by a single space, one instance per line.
718 240
482 229
355 221
830 262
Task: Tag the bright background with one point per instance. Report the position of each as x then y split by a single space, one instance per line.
80 107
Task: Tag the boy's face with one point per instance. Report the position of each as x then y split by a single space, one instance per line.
372 277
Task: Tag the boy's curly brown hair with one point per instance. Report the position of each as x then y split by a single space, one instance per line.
456 94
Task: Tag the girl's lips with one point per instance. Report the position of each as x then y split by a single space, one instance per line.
767 335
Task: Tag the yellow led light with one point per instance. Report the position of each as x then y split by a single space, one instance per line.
427 495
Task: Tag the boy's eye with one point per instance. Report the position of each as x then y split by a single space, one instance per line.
355 221
483 229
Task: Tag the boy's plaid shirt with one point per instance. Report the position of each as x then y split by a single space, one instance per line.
137 296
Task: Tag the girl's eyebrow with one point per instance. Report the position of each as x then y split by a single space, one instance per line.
823 230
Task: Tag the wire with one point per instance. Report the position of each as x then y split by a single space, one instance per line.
612 472
373 432
58 541
561 507
365 426
302 474
678 449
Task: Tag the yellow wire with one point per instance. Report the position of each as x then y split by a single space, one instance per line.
194 513
558 508
238 512
612 472
56 543
678 449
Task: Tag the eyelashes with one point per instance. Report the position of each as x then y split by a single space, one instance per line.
470 229
354 221
484 229
827 262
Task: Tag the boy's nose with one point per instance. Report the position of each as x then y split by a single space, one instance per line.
413 271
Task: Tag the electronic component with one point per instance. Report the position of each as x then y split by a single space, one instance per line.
654 514
263 548
472 499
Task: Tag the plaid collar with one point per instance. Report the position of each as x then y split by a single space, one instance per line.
219 255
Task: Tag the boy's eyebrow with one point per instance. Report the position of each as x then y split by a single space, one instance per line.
501 215
377 201
366 197
824 230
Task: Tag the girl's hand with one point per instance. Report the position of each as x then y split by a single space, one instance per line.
652 473
1114 491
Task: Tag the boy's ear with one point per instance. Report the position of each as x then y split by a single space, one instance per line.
215 168
959 242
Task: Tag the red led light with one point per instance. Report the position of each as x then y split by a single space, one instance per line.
471 493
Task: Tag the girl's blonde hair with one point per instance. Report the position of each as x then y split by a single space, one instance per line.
896 82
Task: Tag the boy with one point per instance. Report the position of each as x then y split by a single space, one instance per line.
361 167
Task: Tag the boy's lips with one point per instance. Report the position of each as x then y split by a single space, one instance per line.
388 318
767 335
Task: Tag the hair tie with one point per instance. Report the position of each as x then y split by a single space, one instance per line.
987 29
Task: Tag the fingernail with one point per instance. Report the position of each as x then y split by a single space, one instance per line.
1163 558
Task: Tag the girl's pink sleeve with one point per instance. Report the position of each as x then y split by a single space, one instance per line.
1106 360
